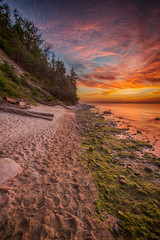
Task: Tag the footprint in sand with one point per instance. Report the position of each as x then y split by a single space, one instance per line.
56 200
65 201
74 203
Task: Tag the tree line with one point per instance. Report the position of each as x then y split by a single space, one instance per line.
22 41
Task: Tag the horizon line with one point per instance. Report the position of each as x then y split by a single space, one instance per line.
124 102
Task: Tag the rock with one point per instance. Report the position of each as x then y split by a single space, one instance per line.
116 230
97 165
8 169
98 124
147 169
99 136
1 152
106 197
107 112
90 149
123 182
90 160
119 212
119 223
121 177
139 132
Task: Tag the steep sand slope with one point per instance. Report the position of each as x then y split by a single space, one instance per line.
50 198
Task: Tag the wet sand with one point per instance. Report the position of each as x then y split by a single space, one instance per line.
53 197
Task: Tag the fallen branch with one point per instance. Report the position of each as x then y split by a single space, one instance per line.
24 113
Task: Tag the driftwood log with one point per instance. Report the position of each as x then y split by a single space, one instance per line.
20 103
42 114
45 103
25 113
16 103
9 100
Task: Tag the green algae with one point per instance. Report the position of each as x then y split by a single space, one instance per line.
106 157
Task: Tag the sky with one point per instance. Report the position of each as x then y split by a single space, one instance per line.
114 45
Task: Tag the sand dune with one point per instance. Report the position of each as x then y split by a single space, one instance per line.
50 198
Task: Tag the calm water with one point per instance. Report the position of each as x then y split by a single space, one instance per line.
137 117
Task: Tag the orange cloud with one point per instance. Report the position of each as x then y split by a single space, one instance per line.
155 92
97 93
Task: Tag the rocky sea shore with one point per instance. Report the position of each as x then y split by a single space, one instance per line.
126 175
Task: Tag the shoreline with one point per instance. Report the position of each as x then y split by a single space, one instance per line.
136 130
124 174
137 133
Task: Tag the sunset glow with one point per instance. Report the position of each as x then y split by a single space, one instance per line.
113 45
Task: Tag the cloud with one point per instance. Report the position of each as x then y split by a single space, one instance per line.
97 93
155 92
112 44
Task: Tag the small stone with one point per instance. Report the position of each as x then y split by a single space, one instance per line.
147 169
99 136
119 212
90 160
119 223
123 182
121 177
90 149
129 167
106 197
107 112
139 132
116 230
1 152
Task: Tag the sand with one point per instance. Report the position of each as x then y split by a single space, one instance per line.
53 197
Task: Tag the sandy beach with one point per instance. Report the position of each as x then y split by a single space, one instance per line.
53 197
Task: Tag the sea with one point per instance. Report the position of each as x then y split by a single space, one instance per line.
138 118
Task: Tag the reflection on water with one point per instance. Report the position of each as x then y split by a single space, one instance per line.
137 117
